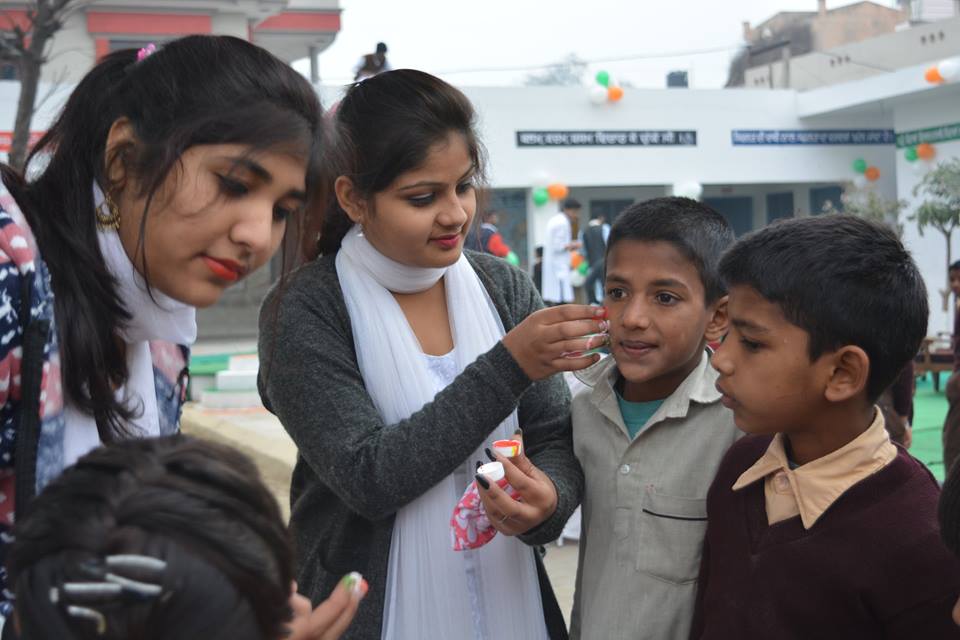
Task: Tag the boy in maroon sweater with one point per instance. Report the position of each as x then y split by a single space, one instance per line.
818 526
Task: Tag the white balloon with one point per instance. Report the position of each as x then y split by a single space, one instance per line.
576 278
921 167
860 182
689 189
540 179
949 69
598 94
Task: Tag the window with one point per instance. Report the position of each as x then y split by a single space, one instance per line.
779 205
609 209
738 210
822 199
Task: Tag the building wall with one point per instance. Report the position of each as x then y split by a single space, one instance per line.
922 43
723 169
853 23
929 250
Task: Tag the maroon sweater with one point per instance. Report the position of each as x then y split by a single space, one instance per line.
871 567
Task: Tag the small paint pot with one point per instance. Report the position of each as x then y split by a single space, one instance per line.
508 448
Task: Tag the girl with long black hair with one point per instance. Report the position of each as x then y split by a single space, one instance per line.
170 175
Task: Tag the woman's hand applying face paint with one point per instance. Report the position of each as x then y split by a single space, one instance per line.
550 340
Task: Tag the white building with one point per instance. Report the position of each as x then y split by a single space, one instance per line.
290 29
759 154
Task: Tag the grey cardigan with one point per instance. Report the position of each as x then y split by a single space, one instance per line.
352 474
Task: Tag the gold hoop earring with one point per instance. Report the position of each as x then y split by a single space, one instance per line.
109 220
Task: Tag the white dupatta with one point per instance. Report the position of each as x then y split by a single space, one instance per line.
433 591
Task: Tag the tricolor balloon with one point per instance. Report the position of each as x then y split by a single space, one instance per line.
546 189
605 89
946 70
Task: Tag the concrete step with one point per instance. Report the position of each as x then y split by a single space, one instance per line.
244 362
236 380
217 399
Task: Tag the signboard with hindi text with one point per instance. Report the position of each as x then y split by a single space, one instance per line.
931 135
629 138
788 137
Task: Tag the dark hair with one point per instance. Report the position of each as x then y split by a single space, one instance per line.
538 251
384 127
571 203
199 507
694 229
955 266
197 90
381 47
842 279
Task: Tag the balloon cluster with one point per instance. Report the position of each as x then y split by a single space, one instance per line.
605 90
579 263
865 173
925 152
944 71
553 191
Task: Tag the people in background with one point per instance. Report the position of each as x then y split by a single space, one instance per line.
951 424
594 239
487 238
371 64
557 288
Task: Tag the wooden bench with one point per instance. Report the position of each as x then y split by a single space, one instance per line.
934 359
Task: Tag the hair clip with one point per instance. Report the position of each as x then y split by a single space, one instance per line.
89 614
146 52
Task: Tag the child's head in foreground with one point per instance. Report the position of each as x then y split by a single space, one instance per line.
165 538
663 292
824 313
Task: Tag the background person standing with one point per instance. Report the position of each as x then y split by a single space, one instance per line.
595 248
557 288
372 64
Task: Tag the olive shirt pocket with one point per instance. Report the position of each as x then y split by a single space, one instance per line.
672 530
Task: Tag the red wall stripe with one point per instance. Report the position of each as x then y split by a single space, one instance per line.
147 23
10 18
102 48
301 21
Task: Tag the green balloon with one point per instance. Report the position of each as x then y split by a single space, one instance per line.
603 78
859 165
584 268
513 259
540 196
910 154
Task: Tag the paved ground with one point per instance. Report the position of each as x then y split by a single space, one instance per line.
258 434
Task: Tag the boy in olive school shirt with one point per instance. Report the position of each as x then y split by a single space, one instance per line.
651 431
820 527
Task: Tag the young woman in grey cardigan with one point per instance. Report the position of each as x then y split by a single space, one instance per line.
393 359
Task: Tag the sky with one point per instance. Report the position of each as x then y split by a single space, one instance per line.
636 41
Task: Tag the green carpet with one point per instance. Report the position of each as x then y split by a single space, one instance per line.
930 408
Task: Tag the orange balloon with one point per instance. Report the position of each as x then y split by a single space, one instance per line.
926 151
614 94
558 191
575 260
933 76
872 174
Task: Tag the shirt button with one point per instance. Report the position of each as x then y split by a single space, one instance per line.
624 469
